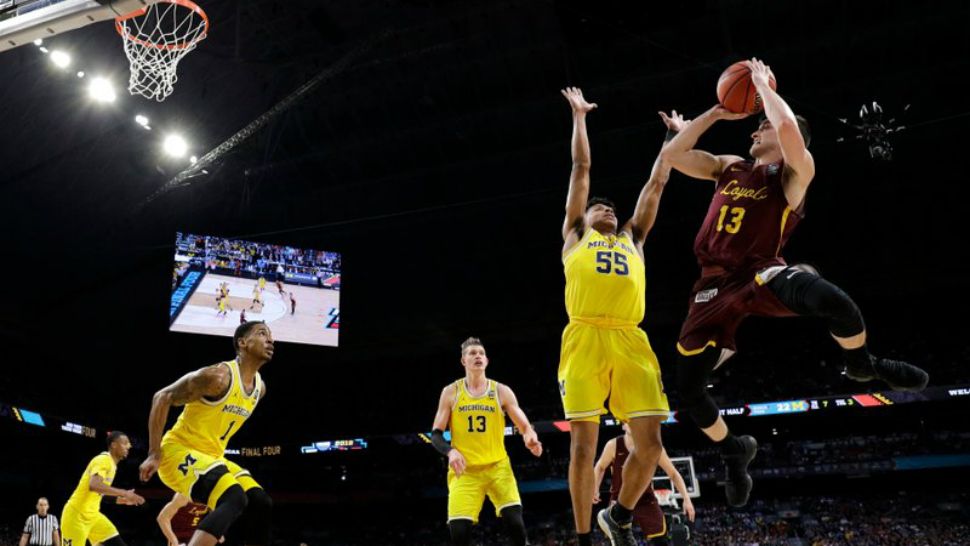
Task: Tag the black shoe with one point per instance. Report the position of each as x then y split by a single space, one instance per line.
619 535
899 375
738 484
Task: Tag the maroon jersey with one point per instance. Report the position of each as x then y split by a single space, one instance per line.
186 520
749 220
617 475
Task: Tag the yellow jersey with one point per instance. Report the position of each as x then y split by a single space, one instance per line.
207 425
85 501
605 280
478 425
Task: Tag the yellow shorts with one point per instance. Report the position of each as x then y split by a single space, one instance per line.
596 363
466 494
181 467
76 527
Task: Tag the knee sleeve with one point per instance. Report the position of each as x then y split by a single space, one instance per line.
809 294
114 541
231 504
514 525
692 375
258 517
461 531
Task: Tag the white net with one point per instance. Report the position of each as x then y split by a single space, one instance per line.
665 497
156 38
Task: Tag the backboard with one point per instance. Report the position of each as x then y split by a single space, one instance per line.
23 21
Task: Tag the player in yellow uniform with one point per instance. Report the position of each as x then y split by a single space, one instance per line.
82 519
604 352
262 283
190 457
257 296
479 466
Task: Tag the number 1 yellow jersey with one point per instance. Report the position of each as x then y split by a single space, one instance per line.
605 280
478 425
207 426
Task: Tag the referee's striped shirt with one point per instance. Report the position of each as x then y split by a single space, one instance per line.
41 529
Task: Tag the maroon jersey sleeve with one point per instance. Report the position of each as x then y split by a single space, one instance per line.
749 219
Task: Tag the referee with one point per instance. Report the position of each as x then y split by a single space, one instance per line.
41 528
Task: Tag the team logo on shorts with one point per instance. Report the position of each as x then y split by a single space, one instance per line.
67 541
184 467
562 388
705 296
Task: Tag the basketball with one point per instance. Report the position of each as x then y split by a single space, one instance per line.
735 90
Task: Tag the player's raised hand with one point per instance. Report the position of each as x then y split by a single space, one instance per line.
760 72
148 468
674 122
720 112
456 461
532 442
574 96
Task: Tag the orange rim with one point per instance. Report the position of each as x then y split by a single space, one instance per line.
188 4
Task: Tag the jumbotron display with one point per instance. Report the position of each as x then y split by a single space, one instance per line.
219 283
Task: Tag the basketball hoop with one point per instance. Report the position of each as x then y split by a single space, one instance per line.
156 38
665 497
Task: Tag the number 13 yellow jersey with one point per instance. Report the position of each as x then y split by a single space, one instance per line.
478 425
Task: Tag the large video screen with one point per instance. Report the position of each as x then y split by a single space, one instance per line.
219 283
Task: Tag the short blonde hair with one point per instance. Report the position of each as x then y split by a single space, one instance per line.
469 342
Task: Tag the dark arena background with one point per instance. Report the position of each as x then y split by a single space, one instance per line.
427 143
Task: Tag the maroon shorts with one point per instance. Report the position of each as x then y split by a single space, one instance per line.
718 304
650 517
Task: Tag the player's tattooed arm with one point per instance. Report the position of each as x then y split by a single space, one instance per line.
212 382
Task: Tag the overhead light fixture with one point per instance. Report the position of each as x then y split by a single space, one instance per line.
101 90
175 146
60 58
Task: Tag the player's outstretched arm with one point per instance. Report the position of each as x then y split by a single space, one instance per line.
211 381
645 213
579 176
441 420
668 467
125 496
680 152
793 148
168 512
511 406
602 465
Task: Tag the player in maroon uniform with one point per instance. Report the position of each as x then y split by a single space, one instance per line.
647 513
180 518
755 208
